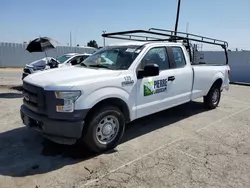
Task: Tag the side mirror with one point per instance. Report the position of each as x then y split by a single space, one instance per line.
149 70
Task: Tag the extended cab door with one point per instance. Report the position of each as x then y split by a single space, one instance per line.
180 68
151 91
171 87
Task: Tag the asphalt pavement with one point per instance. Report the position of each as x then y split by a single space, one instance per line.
10 77
184 147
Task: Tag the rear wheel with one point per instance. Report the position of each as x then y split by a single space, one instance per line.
212 99
104 129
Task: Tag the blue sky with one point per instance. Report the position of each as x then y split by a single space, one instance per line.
23 20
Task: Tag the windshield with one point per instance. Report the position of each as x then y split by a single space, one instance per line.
63 58
115 57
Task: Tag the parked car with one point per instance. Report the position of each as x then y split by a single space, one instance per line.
50 62
93 102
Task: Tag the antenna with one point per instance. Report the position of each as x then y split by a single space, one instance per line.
177 17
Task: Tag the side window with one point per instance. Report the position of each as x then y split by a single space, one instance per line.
84 57
77 60
157 56
179 58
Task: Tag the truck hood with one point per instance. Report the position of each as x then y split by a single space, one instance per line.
68 77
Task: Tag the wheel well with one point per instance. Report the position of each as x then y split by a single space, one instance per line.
119 103
218 83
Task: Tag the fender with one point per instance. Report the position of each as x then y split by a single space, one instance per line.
216 76
87 102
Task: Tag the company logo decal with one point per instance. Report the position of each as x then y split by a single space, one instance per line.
154 87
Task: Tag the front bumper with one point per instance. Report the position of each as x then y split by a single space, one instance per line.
24 75
60 131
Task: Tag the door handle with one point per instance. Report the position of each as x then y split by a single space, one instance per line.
171 78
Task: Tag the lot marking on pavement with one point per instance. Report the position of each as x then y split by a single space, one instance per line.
215 166
222 119
130 162
161 147
236 100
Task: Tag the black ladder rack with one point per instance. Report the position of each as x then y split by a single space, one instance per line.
129 35
157 35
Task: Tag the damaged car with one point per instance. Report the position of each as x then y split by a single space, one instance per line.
50 62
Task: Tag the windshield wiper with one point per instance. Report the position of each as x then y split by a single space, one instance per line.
100 66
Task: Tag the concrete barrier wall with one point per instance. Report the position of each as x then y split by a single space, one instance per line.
239 62
15 55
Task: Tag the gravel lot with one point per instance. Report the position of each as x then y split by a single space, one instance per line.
182 147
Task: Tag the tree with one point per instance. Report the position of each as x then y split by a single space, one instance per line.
92 43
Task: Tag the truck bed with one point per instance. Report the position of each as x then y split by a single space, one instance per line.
205 75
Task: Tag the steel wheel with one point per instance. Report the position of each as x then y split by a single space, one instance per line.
215 96
212 99
107 129
104 129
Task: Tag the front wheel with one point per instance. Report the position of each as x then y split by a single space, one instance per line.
212 99
105 129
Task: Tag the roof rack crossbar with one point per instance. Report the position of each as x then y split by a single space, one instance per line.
192 35
146 37
132 39
140 40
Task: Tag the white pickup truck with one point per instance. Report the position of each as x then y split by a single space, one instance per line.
92 102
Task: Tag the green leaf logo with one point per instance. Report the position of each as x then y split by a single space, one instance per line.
148 88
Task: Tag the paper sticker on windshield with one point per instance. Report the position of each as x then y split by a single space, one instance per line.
138 51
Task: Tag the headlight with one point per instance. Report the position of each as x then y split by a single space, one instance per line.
69 98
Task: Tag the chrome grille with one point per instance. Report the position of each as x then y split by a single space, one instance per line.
34 98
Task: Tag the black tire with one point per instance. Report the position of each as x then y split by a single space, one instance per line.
209 101
90 130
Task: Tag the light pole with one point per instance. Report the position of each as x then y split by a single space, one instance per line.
187 25
70 39
103 38
177 16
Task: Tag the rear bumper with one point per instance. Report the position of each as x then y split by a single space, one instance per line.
226 85
60 131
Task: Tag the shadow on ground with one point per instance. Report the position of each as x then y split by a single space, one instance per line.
12 87
18 88
10 95
24 153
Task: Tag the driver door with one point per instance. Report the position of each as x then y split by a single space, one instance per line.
152 90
